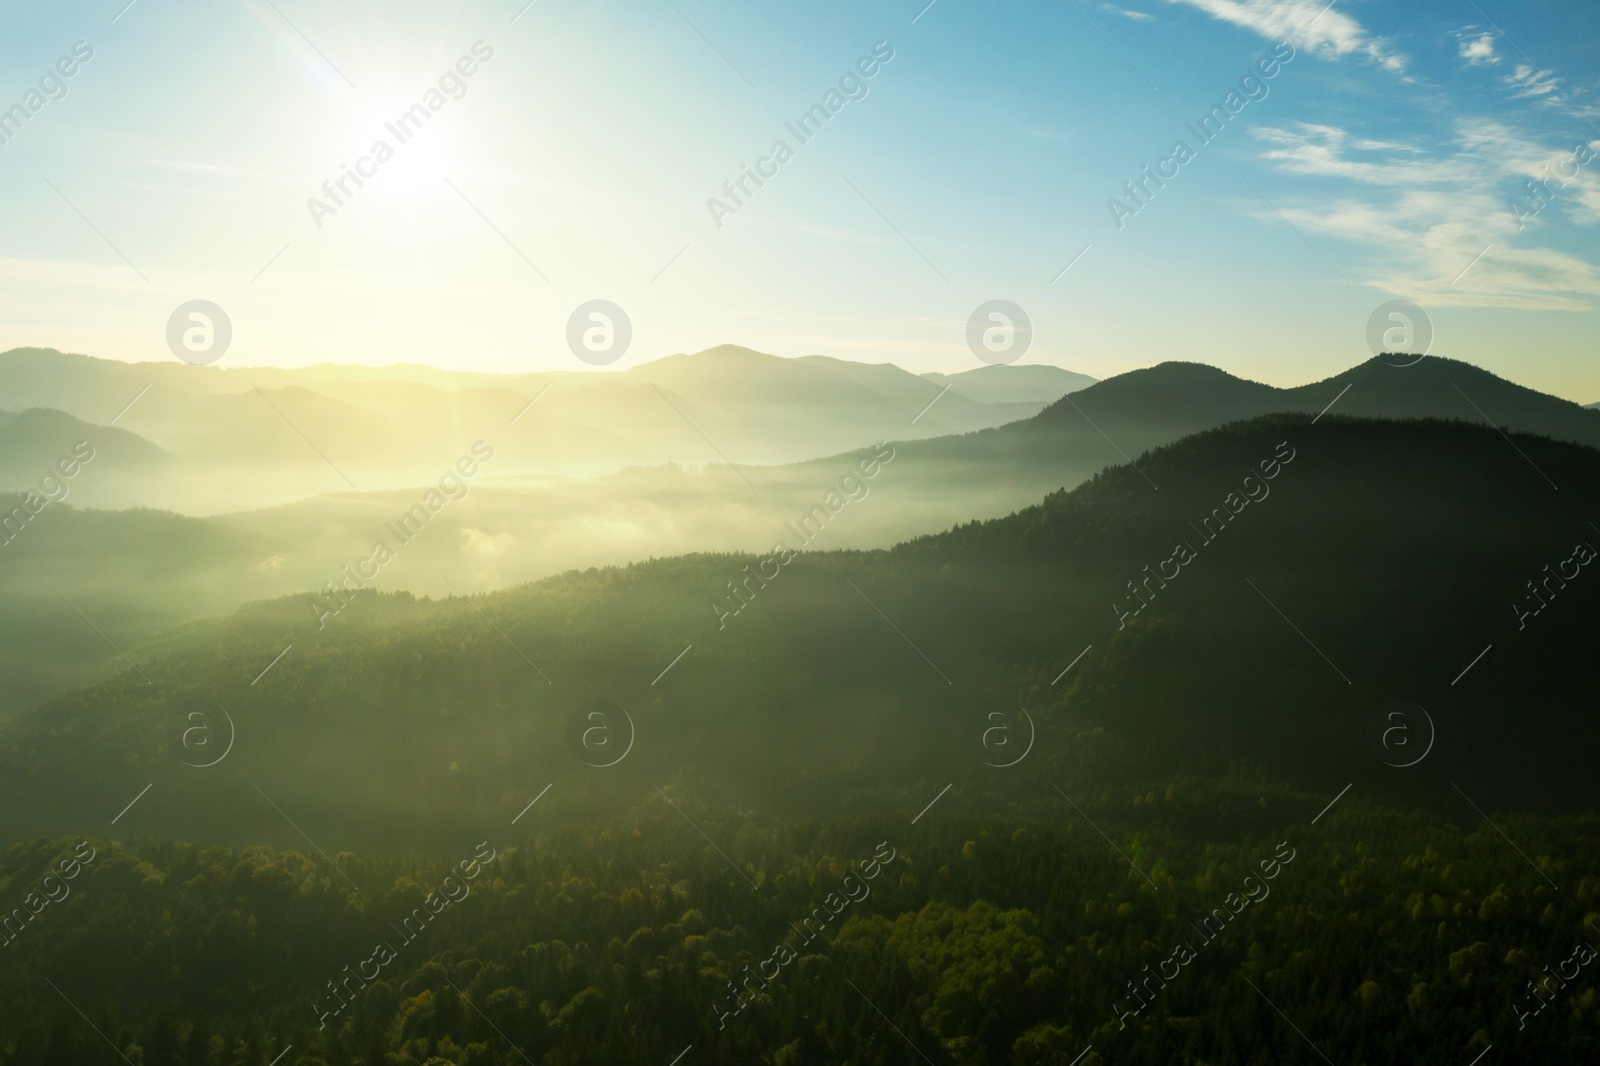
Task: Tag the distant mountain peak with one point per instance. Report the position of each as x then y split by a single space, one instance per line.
732 351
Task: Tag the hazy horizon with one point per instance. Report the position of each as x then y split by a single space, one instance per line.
954 368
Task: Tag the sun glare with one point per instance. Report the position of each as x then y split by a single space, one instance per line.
397 146
396 155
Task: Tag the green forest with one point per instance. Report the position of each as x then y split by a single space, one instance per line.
708 533
988 937
1090 783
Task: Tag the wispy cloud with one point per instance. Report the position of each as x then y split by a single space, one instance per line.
1527 83
1327 151
1510 155
1312 25
1428 214
1527 80
1137 16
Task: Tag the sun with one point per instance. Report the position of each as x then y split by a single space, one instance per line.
392 147
399 153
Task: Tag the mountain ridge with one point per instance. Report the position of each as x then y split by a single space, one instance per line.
993 611
512 528
304 431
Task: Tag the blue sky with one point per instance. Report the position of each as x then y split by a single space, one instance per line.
578 163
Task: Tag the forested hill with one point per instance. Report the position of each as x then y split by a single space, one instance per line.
1176 398
137 572
1376 563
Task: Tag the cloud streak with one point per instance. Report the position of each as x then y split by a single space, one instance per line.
1310 25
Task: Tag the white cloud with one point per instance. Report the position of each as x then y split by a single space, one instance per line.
1368 145
1328 151
1478 50
1309 24
1137 16
1429 215
1527 83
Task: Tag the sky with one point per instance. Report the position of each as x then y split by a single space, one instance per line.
1386 158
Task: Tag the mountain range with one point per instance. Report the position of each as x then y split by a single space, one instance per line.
1076 673
252 437
399 722
135 573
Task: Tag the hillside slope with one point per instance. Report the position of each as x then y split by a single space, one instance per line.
1378 563
512 529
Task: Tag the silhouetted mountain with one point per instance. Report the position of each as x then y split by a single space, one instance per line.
514 529
252 437
397 720
988 473
1010 384
1179 398
34 441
